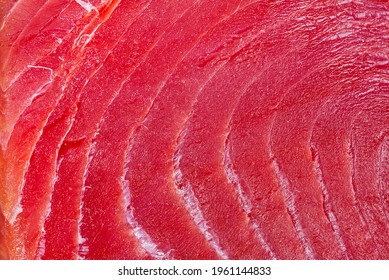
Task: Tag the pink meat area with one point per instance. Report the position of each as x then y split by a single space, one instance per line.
194 129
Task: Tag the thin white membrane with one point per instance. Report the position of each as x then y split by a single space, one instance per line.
128 159
192 206
84 38
186 192
139 232
383 157
8 14
45 68
326 200
17 209
245 201
290 201
16 77
352 161
233 178
83 248
42 241
86 5
39 92
145 240
125 182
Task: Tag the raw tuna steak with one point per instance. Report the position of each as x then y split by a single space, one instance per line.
194 129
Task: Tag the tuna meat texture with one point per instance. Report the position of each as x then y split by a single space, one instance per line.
194 129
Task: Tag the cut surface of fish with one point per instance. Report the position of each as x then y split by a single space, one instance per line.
194 129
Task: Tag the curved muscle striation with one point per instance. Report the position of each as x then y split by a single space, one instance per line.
194 129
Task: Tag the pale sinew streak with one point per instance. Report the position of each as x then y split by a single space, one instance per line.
192 205
83 248
290 201
8 14
42 242
144 238
45 68
52 73
86 5
83 38
383 157
40 91
17 209
245 201
18 75
352 160
327 205
186 193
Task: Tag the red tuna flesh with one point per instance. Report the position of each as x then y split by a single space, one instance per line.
194 129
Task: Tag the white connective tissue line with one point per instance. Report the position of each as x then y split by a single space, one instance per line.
45 68
37 93
383 155
17 208
192 205
245 201
5 18
234 180
83 249
291 205
327 205
41 246
86 5
42 242
144 238
17 75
